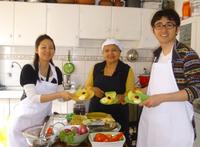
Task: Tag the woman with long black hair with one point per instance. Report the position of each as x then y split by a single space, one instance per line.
42 83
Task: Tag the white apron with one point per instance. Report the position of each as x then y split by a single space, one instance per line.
170 123
27 113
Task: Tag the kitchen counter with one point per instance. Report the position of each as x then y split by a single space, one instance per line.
83 144
11 92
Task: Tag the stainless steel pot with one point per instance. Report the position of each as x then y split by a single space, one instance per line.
132 55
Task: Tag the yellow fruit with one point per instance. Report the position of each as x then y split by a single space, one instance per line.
84 94
110 98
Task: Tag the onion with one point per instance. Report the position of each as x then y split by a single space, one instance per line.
83 129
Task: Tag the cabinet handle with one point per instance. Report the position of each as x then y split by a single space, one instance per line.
11 35
19 35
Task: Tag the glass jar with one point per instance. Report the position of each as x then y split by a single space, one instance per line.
79 108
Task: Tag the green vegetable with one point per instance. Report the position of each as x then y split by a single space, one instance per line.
69 116
67 137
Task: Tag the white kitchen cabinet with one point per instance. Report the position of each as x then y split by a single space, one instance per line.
7 20
95 22
197 122
63 24
29 22
148 39
101 22
126 23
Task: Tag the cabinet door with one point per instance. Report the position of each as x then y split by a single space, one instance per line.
63 24
6 25
30 22
95 22
148 39
126 23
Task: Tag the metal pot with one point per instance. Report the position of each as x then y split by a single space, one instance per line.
132 55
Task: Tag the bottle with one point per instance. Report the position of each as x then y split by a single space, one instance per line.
186 9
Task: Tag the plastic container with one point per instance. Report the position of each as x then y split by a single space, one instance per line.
186 9
106 144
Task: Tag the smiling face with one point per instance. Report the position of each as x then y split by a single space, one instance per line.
45 50
111 53
165 30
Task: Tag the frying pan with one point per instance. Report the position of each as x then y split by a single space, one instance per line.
68 67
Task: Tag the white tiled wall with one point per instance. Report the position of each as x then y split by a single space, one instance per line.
83 57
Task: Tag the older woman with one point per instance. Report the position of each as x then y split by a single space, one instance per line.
111 75
166 119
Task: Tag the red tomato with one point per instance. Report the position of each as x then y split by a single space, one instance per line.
99 137
49 131
117 137
109 137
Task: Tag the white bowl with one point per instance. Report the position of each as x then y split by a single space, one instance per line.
106 144
78 139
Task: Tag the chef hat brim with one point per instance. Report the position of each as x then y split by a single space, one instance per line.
112 41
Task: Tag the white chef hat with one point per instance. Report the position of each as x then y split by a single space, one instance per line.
112 41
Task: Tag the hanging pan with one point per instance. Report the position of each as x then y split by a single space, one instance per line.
68 67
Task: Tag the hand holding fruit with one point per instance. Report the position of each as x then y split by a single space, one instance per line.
83 94
135 97
121 98
98 92
154 100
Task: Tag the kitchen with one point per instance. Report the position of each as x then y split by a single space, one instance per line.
83 41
